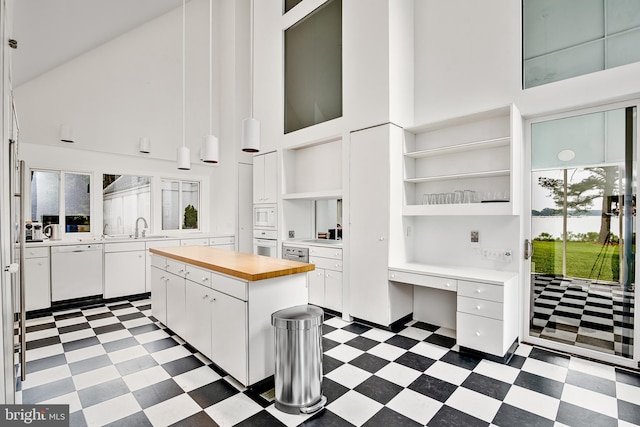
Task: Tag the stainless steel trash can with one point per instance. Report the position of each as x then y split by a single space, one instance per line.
298 358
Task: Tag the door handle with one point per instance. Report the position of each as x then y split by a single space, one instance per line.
528 249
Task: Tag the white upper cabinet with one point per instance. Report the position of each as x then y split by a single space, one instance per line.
265 178
464 166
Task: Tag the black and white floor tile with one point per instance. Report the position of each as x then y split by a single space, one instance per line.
583 313
116 365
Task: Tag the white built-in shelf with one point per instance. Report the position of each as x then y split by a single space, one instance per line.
487 174
475 209
458 148
314 195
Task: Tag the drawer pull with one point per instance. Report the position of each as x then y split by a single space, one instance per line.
393 276
212 300
337 265
448 285
180 271
205 296
477 333
477 307
478 291
204 279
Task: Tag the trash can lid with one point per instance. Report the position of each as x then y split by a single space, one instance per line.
298 317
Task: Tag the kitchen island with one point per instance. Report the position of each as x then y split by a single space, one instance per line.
221 303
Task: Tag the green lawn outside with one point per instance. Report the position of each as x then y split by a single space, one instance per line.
585 260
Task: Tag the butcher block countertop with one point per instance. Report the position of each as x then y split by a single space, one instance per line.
244 266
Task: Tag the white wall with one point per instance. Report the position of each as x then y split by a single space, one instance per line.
132 87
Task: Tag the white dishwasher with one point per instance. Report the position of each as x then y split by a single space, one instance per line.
76 271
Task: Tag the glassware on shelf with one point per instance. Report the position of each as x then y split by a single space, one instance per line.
468 196
458 196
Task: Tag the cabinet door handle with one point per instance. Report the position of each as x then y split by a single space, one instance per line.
161 277
204 279
205 296
212 300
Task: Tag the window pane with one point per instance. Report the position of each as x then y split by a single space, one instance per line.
45 197
290 4
170 205
313 68
190 197
622 15
77 202
623 49
124 199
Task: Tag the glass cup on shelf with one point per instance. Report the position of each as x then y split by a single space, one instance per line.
425 198
468 196
442 198
458 196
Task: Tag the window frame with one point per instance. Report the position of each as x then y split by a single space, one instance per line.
62 220
180 181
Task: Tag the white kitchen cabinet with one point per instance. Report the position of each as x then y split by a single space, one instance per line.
265 178
37 286
479 152
124 269
371 296
487 316
229 345
168 293
198 316
195 241
325 282
158 280
228 243
165 243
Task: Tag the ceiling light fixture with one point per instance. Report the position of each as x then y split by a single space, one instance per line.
210 144
144 145
184 154
251 126
66 133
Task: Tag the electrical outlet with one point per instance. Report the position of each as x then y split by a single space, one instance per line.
292 234
475 237
502 255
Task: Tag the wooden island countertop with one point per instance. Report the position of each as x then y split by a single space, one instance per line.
238 264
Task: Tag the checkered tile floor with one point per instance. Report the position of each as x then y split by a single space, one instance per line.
115 365
585 314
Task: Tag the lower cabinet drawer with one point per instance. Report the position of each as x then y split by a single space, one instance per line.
480 333
175 267
227 285
327 263
423 280
479 307
198 275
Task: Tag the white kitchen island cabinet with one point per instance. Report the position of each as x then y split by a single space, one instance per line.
228 301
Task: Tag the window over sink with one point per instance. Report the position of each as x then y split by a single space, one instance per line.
125 198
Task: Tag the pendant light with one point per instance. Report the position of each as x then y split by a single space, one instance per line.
184 154
251 126
210 145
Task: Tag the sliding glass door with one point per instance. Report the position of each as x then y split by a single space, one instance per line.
583 232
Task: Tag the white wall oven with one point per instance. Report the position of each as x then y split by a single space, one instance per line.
265 242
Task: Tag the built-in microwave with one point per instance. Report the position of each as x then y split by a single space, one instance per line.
265 217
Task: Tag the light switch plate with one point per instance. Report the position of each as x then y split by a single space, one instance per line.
292 234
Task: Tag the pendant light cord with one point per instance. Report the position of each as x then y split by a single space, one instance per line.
251 53
184 19
210 67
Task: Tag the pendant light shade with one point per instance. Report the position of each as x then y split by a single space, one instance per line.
184 158
210 149
250 135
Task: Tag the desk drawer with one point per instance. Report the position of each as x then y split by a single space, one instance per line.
480 307
423 280
480 290
480 333
326 263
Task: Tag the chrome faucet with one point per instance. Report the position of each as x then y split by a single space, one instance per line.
104 229
145 226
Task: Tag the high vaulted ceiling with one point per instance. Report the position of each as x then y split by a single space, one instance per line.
52 32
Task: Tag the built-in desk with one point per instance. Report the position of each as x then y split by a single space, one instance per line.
482 304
